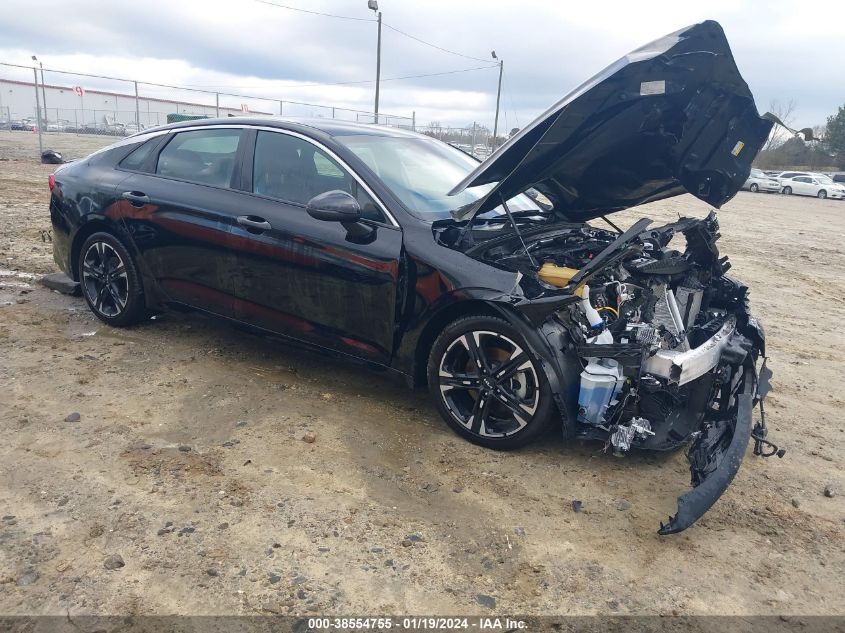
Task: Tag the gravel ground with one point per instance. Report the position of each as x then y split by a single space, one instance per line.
161 469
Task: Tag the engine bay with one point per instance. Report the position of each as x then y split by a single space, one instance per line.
654 322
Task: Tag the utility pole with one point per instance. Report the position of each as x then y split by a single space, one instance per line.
38 112
43 92
498 99
137 110
373 5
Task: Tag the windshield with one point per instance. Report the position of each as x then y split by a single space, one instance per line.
824 180
421 171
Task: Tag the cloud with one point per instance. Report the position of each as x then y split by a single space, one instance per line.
247 47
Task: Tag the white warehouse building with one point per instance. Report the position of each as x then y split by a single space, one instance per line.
65 105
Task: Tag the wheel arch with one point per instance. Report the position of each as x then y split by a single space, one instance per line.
85 231
435 325
560 373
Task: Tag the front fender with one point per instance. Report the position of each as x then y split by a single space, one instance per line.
552 346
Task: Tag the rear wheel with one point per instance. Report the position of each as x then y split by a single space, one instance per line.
822 194
487 384
110 281
754 188
787 191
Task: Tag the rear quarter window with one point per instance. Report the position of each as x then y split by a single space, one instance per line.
137 157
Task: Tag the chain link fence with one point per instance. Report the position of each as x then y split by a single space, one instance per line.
476 140
61 102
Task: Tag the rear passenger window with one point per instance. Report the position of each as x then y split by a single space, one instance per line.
137 157
202 156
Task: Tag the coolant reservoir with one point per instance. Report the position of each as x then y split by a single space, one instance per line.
601 380
559 276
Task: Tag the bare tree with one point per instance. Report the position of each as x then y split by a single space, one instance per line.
436 128
786 113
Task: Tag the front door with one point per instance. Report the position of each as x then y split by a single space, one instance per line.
308 278
803 185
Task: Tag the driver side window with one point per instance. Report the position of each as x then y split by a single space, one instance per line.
291 169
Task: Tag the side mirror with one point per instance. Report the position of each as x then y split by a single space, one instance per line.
334 206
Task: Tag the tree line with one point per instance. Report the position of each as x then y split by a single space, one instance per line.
820 149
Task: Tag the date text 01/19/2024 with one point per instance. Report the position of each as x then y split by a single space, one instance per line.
416 623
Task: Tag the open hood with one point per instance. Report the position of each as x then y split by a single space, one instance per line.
672 117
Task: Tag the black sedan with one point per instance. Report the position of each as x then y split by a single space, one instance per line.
484 281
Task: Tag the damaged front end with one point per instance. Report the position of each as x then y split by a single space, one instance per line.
664 348
652 343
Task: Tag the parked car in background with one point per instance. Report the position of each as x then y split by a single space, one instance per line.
26 125
808 185
786 175
58 126
838 179
759 181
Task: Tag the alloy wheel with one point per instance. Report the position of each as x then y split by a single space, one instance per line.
754 187
489 384
105 280
822 194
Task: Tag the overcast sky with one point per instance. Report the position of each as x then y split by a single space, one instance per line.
786 50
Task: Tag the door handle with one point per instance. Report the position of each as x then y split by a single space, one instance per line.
136 198
254 222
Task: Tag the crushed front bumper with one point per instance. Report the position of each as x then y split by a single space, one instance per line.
717 452
722 448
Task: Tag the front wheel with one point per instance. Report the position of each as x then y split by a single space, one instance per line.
110 280
487 384
822 194
754 188
787 191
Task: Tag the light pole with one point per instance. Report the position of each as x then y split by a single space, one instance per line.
373 5
498 98
43 92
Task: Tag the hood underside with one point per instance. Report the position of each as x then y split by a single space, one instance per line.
672 117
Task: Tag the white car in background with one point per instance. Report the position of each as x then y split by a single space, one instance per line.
759 181
812 185
786 175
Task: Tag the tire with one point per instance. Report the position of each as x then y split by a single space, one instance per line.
110 281
822 194
754 188
787 191
502 412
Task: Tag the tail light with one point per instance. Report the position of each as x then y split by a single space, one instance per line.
51 181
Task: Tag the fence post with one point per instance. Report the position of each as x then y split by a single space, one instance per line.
281 105
332 112
38 112
414 121
217 104
137 109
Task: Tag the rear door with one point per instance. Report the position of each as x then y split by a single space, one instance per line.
180 207
307 278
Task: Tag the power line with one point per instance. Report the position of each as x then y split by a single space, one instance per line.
440 48
328 15
392 28
348 83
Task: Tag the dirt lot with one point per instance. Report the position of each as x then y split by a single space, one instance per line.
187 462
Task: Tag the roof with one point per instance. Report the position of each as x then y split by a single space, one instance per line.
331 127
